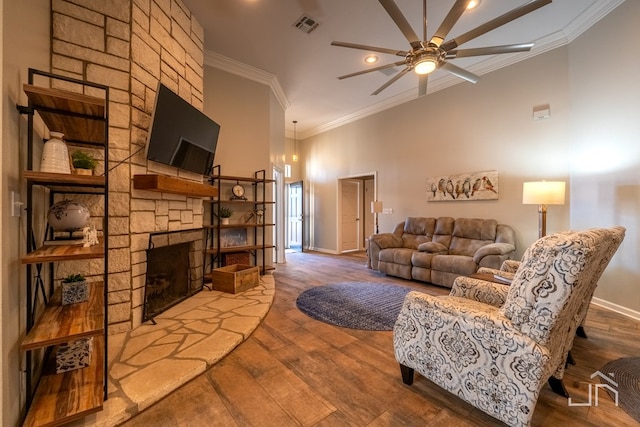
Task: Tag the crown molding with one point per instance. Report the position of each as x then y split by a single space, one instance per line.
248 72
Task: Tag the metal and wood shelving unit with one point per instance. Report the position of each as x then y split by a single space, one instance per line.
257 199
55 399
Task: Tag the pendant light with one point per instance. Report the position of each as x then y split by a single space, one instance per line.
295 141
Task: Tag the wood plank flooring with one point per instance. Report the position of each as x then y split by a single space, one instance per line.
296 371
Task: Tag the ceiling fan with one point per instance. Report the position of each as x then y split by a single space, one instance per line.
426 56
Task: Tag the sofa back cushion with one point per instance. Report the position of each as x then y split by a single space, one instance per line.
417 230
470 234
443 230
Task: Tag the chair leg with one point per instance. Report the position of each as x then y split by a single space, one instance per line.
558 387
580 332
407 374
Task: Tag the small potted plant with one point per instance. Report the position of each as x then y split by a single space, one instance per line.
225 213
74 289
83 163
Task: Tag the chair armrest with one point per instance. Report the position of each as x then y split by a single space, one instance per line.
481 321
386 240
493 249
494 294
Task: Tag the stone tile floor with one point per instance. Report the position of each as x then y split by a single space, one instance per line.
151 361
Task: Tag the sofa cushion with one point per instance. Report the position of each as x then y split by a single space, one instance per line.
422 259
459 264
443 230
470 234
400 256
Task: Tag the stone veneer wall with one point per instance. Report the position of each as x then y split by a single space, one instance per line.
130 45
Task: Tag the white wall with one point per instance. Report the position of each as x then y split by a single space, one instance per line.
590 141
242 109
605 153
24 43
466 128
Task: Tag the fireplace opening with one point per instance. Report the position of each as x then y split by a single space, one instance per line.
174 270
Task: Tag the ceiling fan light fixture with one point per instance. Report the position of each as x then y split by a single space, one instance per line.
425 63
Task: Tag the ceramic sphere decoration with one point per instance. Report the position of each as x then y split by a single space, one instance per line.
55 155
68 215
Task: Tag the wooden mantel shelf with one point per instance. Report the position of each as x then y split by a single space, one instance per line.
174 185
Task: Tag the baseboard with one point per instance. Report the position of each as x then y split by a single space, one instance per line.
617 308
325 251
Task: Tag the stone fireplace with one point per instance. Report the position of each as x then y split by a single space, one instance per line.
174 270
130 45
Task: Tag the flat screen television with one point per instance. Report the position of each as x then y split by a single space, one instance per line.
180 135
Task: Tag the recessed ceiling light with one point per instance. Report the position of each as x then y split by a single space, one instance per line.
371 59
473 4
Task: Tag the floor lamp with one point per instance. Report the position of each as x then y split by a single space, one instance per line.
543 193
376 209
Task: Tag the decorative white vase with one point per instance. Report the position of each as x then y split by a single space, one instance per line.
55 155
68 215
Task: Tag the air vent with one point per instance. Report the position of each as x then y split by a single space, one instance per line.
306 24
389 71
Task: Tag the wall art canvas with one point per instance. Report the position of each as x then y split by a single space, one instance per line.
232 237
468 186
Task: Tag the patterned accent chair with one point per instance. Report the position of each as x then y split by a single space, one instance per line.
497 350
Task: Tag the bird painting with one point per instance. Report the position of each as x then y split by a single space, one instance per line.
469 186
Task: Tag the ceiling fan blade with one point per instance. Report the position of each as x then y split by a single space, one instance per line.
422 84
371 48
494 23
401 22
460 72
392 80
490 50
381 67
449 21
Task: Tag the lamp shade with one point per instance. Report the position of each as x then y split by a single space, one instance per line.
376 207
543 193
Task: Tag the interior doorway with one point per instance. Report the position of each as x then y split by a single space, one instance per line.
355 219
295 217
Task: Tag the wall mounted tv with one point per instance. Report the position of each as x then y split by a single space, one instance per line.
180 134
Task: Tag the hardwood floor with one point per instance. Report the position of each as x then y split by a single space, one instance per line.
296 371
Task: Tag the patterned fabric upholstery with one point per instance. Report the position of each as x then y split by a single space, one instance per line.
497 356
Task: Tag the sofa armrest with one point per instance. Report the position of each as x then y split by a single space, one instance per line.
386 240
494 294
493 249
501 273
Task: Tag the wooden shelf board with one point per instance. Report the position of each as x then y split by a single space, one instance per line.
240 178
237 249
173 185
62 398
62 323
63 182
80 117
64 253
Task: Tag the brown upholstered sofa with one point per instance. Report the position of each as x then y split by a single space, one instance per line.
437 250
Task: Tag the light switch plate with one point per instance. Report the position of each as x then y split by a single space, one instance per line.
16 204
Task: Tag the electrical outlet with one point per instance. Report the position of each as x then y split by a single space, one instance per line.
387 210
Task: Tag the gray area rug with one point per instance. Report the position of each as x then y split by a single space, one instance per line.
355 305
626 372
